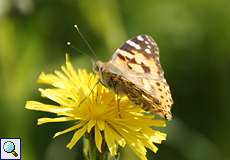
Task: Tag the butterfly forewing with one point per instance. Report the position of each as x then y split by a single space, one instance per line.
137 64
141 55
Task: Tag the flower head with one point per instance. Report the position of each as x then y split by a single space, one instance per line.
92 107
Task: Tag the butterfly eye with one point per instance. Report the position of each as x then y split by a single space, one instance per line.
101 69
98 67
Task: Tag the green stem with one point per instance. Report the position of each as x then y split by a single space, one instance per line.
89 150
92 150
91 153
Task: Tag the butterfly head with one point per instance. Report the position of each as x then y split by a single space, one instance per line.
98 67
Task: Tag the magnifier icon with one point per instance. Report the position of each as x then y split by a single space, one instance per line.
9 147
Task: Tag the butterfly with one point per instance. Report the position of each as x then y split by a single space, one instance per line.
135 70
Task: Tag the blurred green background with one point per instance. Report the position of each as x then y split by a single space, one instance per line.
194 40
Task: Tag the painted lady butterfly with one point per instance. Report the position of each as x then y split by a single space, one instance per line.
135 71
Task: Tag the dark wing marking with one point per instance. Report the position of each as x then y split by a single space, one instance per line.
141 50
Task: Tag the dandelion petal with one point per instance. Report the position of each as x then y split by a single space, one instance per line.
109 138
59 119
70 129
33 105
98 138
77 135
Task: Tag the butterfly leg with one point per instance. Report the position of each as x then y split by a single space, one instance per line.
118 105
90 77
96 94
117 97
93 76
91 91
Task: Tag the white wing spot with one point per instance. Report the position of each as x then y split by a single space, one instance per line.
148 51
150 40
140 38
146 42
149 46
124 53
133 44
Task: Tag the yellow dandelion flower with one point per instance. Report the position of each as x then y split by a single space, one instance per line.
94 108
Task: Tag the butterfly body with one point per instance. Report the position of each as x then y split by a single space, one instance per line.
135 71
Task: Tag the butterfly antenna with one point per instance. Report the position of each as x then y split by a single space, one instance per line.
86 42
69 44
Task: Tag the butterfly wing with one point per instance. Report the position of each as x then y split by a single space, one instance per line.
141 55
137 60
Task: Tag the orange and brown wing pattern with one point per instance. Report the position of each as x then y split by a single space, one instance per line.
138 62
141 54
